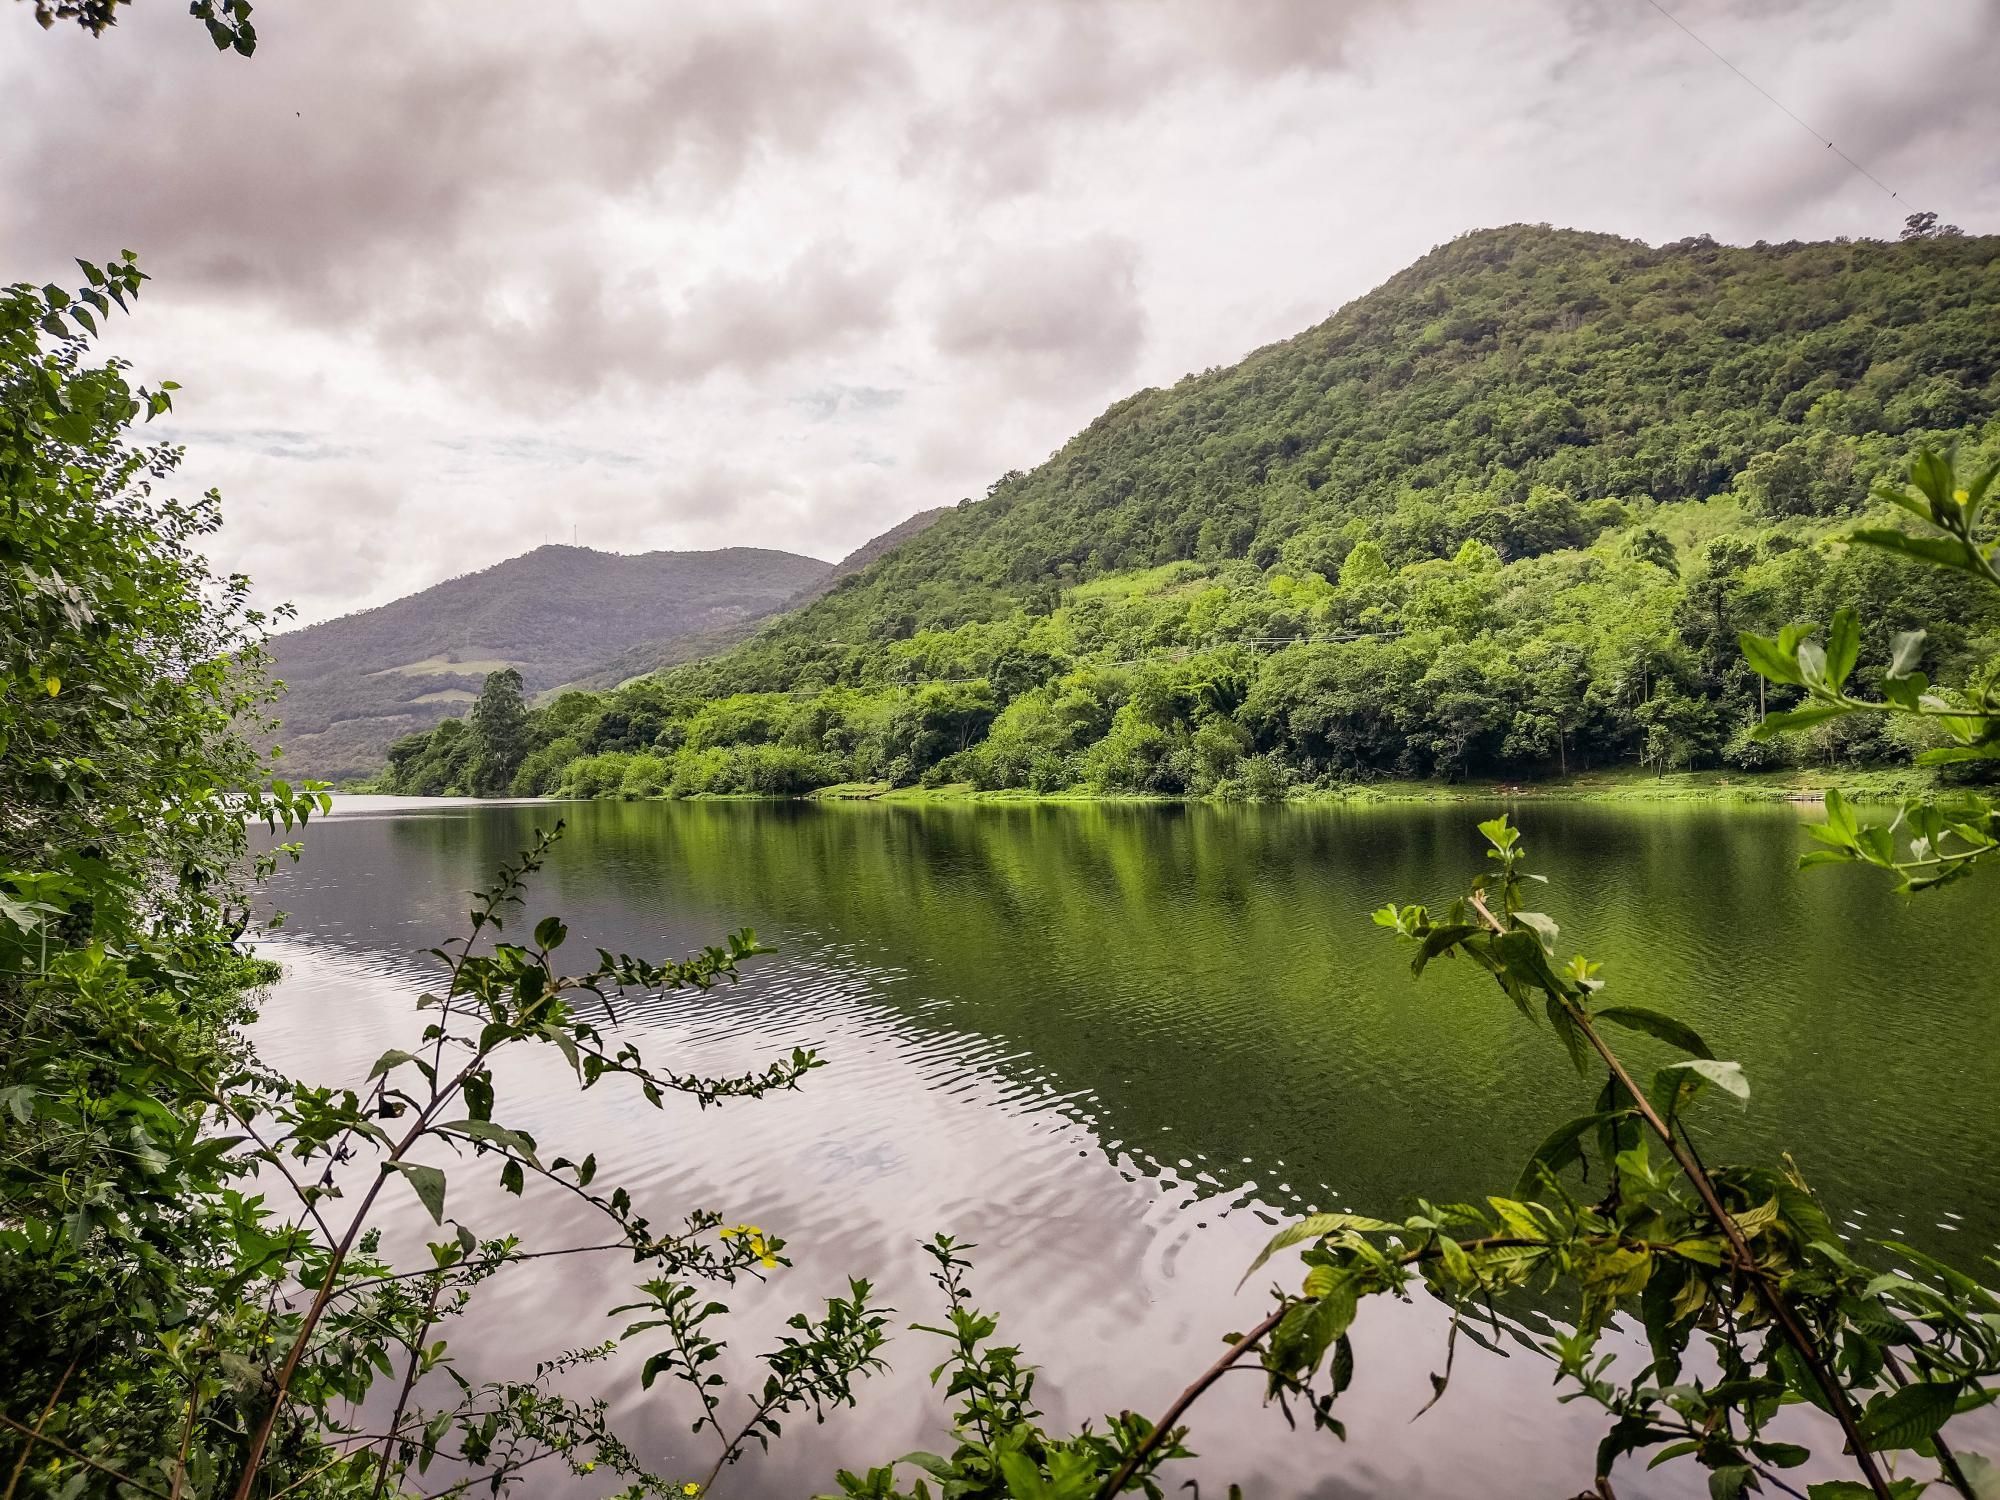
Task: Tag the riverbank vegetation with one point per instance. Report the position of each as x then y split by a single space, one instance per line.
1501 519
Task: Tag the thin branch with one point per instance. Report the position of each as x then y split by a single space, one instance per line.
1187 1398
466 1266
27 1445
1746 1261
82 1458
1947 1460
409 1383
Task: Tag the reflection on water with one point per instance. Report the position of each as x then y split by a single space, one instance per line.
1113 1045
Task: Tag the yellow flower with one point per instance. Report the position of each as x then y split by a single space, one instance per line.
1962 497
690 1488
589 1464
54 684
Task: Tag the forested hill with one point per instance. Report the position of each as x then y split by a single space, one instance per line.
1546 474
356 683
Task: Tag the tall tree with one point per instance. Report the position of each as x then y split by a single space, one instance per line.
499 732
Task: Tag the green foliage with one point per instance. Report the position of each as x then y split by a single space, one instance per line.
1003 1452
1505 516
228 21
1928 844
157 1336
164 1330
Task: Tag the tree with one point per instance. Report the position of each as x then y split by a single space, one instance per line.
1925 226
1649 544
499 732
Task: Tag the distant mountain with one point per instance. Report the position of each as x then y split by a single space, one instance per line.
354 684
648 657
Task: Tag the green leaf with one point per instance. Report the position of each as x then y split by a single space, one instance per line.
1727 1076
395 1057
930 1463
1313 1227
1439 940
1542 925
1798 718
1653 1023
1905 1418
1905 652
485 1130
1561 1148
429 1183
1943 552
1947 754
1768 659
1843 646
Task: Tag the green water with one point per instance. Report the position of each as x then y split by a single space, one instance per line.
1113 1043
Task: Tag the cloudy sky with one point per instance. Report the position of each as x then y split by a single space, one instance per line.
445 281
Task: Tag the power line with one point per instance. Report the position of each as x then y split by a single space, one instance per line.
1775 100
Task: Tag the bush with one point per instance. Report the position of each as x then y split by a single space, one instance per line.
646 775
783 771
1264 778
698 771
596 775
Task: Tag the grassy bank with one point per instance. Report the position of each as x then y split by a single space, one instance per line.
1596 786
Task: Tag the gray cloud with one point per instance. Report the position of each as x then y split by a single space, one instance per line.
579 332
367 127
1047 68
383 168
1058 316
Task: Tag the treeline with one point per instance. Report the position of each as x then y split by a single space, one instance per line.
1502 517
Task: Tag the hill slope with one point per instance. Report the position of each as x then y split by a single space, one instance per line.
356 683
1548 473
657 655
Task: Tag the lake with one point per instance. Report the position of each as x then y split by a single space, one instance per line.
1115 1045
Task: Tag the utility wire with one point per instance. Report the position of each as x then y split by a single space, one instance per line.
1774 99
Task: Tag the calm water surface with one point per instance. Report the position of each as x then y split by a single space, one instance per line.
1115 1045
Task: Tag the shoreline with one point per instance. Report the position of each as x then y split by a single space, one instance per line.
1703 787
1808 787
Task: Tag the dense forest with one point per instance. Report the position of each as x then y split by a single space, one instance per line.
1503 516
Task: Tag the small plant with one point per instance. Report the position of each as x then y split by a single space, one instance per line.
1003 1452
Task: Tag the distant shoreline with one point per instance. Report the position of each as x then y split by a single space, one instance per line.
1712 787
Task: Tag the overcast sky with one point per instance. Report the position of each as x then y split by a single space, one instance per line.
445 281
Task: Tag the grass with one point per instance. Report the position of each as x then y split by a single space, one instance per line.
1632 785
1622 785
